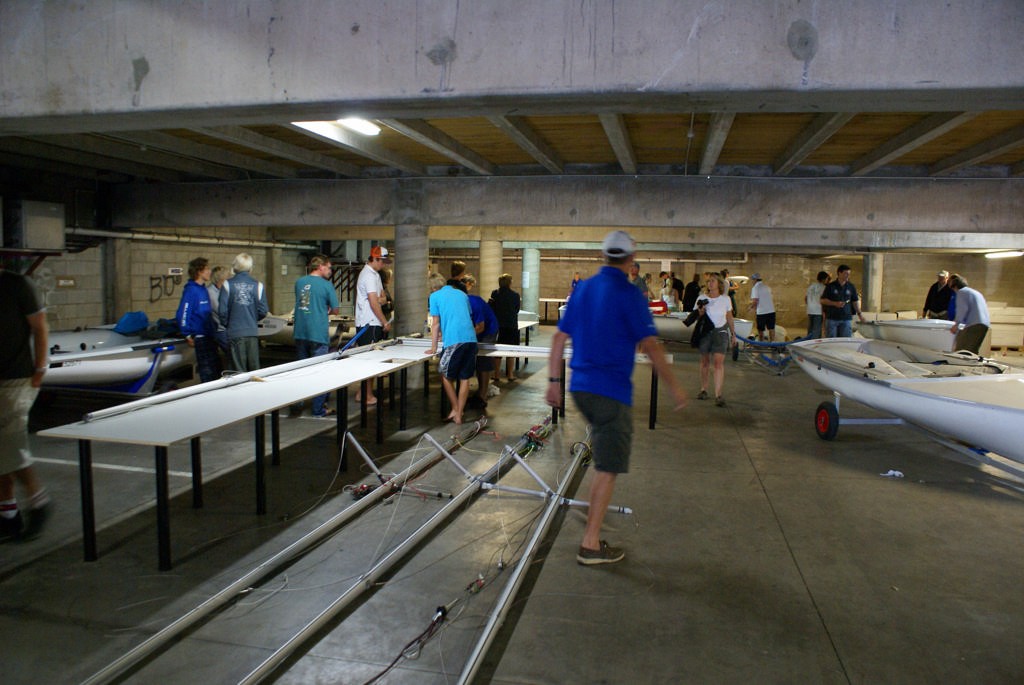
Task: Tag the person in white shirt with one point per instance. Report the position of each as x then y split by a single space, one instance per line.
715 343
813 299
764 307
369 294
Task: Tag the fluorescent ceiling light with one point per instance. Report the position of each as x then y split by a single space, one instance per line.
358 125
1003 255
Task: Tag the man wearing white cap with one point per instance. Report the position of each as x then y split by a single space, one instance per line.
764 307
936 303
369 314
602 368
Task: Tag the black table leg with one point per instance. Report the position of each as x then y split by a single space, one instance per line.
261 453
163 515
561 411
88 505
342 396
363 387
380 409
197 473
275 437
403 412
654 398
426 379
391 391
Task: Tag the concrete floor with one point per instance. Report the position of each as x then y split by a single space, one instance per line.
757 553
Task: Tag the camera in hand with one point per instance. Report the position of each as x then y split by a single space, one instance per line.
703 302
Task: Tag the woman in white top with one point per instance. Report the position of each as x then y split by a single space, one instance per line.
670 296
814 291
717 342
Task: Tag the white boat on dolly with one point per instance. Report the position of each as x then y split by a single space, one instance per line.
101 359
671 327
972 404
933 334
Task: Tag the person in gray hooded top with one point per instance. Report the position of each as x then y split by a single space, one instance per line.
242 305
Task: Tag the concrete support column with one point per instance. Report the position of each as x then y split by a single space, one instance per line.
273 279
117 261
410 287
531 279
490 262
871 297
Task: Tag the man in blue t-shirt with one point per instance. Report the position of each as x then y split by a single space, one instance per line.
315 301
452 323
607 318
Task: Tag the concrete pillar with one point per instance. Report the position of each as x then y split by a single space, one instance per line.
490 262
531 279
117 259
273 279
871 296
410 287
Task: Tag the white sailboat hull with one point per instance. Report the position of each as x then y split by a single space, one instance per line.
102 357
933 334
968 399
671 327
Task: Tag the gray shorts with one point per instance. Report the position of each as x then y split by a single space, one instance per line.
715 342
16 398
611 430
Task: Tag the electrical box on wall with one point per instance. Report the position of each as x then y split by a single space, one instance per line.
32 225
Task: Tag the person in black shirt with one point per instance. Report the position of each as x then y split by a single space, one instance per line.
936 304
839 301
691 292
506 304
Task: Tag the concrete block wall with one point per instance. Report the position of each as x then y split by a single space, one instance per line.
153 289
905 280
906 277
71 287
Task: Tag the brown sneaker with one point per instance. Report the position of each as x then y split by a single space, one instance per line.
605 555
719 401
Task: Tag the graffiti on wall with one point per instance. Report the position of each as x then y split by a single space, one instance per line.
163 286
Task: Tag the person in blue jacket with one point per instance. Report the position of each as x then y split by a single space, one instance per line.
243 304
195 319
485 323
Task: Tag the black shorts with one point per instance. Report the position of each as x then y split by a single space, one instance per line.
458 361
766 321
371 335
484 363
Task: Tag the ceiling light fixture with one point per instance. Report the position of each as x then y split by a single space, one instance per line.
367 128
1004 255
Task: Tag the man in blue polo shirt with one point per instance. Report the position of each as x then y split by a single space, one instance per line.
607 318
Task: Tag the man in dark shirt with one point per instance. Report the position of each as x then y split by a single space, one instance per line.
22 366
691 292
936 304
839 300
506 304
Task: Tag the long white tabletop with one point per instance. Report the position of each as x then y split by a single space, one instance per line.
166 423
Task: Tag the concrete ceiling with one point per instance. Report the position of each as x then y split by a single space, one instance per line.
908 144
